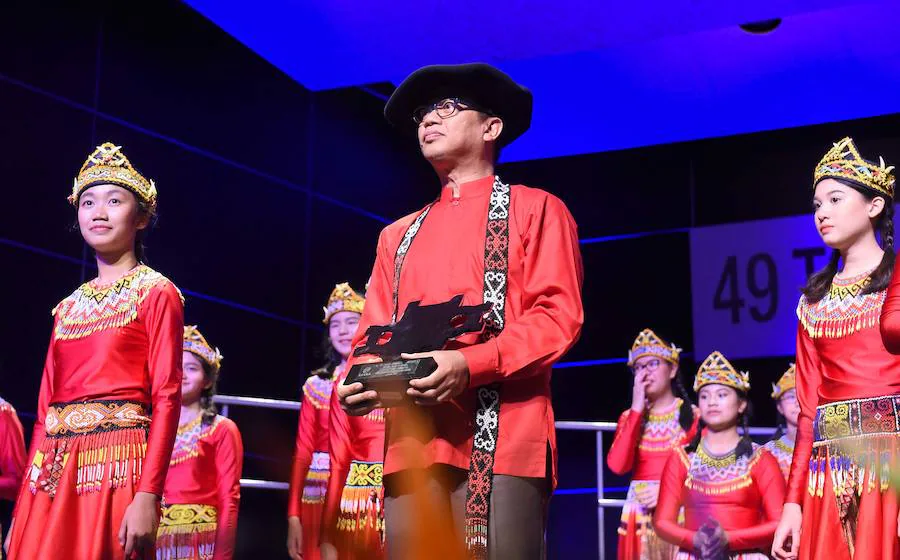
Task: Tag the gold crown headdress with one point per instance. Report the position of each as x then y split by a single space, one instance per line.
716 370
108 165
843 161
343 298
648 344
196 344
787 382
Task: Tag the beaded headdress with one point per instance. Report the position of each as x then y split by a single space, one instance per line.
716 370
648 344
843 161
343 298
787 382
108 165
196 344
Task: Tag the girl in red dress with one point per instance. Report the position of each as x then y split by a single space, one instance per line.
309 475
353 516
98 460
203 488
782 444
656 423
840 504
12 454
730 488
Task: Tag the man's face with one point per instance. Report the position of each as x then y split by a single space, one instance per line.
452 131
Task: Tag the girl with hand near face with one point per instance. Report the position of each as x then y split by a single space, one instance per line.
657 422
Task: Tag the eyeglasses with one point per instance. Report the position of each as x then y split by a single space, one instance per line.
651 365
445 109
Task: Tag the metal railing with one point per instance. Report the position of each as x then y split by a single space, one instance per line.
598 427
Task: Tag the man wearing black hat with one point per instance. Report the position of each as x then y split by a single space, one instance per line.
488 450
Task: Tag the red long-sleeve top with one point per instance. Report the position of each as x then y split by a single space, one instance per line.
543 320
643 442
312 435
350 438
12 452
139 361
835 368
205 469
745 496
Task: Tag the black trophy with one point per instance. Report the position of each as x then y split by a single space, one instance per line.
423 328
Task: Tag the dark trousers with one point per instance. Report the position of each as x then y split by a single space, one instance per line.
518 512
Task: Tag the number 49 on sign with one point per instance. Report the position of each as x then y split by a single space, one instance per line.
759 277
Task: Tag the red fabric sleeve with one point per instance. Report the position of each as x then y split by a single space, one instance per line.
379 301
551 301
671 488
890 314
12 453
341 453
303 451
164 320
45 397
809 378
769 482
623 450
229 462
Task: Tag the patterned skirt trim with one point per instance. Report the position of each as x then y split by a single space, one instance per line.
362 501
187 532
108 439
316 482
856 448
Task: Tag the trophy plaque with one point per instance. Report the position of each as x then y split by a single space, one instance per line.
423 328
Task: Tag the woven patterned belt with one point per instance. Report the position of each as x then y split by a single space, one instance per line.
188 514
365 474
857 418
65 419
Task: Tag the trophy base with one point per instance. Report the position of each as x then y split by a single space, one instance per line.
390 379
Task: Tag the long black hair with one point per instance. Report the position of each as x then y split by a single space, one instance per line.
819 283
745 445
686 412
208 408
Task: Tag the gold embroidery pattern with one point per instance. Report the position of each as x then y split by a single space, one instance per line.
188 437
362 500
844 311
188 514
712 475
85 417
92 308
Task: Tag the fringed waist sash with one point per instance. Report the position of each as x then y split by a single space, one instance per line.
187 531
108 439
858 441
362 501
316 482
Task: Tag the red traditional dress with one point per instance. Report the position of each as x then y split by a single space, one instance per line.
743 494
115 354
312 466
533 261
12 452
203 492
353 519
641 446
782 448
848 384
203 488
309 475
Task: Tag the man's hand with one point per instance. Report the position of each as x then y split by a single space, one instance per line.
355 401
445 383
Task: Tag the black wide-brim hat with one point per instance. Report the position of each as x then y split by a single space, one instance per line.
481 84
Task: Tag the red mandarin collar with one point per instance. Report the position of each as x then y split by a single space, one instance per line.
472 189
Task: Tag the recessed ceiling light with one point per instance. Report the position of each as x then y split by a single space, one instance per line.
761 27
